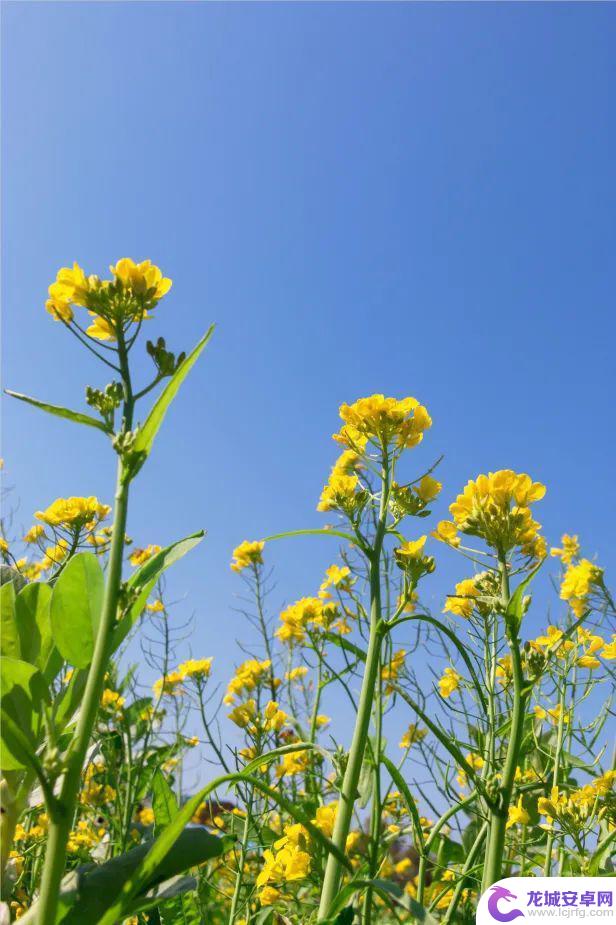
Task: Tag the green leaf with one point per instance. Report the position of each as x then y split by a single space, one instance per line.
515 607
10 574
162 847
76 605
316 531
164 802
142 582
76 416
347 645
180 908
391 892
147 432
69 699
33 623
402 786
89 891
23 693
10 644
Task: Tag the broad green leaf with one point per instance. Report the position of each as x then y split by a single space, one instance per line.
175 901
142 582
76 416
23 693
515 607
10 574
162 847
89 891
9 635
164 802
69 699
148 430
33 623
76 605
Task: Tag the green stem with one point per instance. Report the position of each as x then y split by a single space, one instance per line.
348 794
62 814
499 813
375 814
547 867
240 867
470 860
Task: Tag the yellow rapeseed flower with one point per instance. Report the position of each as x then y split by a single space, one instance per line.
428 489
197 668
250 552
449 682
140 556
73 513
463 601
496 508
570 549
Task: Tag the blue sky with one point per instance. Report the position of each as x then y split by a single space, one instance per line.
409 198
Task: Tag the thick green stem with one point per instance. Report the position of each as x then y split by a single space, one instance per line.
470 860
237 890
62 818
348 794
547 867
375 813
499 814
63 812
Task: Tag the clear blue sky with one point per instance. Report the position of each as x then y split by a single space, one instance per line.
415 199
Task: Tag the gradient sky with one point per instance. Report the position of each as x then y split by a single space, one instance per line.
415 199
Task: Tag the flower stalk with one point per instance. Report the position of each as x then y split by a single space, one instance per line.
62 811
348 794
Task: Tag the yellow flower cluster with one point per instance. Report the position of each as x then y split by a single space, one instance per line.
382 420
577 584
496 508
412 735
391 672
569 550
112 304
553 714
141 556
325 818
341 492
70 514
247 676
338 577
244 714
576 807
84 837
307 613
247 553
449 682
410 558
474 761
517 815
293 763
463 601
586 647
95 793
288 862
112 701
197 668
168 686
